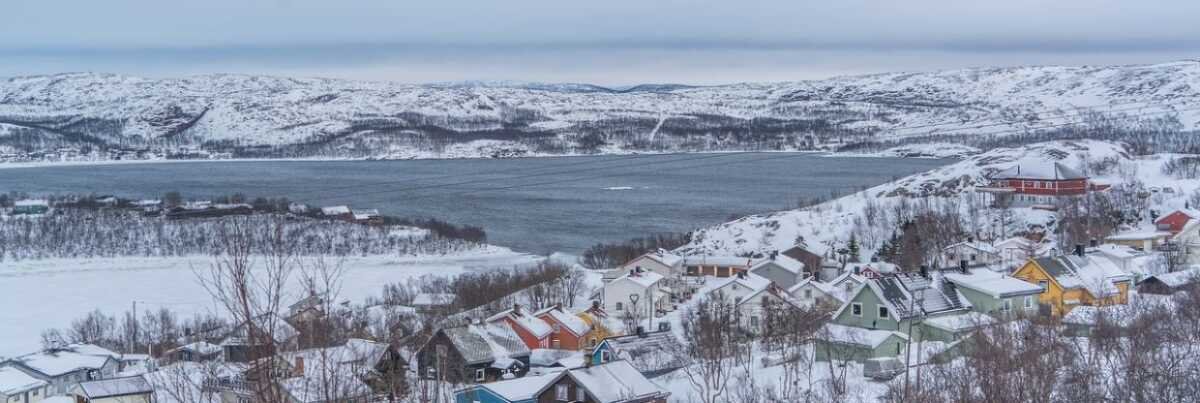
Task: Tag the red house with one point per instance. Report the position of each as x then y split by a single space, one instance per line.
1053 180
534 332
1175 221
570 331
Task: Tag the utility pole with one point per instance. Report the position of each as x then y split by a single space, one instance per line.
133 340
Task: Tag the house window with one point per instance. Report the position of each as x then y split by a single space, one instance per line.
480 375
441 351
1007 305
620 307
1045 285
561 393
1028 302
807 293
737 300
972 257
605 357
883 312
580 394
856 309
754 321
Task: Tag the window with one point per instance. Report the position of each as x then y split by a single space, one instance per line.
1007 305
592 342
620 307
807 293
1045 285
561 393
972 257
883 312
737 300
580 394
605 357
1028 302
754 321
856 309
480 375
441 351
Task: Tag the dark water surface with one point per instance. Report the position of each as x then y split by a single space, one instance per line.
536 205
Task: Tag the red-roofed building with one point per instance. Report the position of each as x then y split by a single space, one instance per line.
534 332
570 332
1177 220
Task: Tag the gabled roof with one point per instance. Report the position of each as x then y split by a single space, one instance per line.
486 343
1054 171
783 261
335 210
857 336
1093 273
616 381
517 390
649 352
752 282
643 279
991 283
114 387
960 322
662 257
734 261
13 381
53 363
282 331
1178 278
902 290
979 246
531 323
572 323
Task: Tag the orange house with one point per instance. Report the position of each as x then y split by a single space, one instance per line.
570 332
534 332
1077 279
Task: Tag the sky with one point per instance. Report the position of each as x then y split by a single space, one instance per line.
612 42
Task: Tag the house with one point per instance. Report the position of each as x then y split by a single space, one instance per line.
338 213
810 292
1040 184
814 261
847 282
570 332
433 302
306 309
1170 283
870 270
1140 239
782 270
368 216
1184 226
18 387
378 367
1018 249
662 262
601 325
63 366
716 266
612 382
297 208
1077 279
653 354
838 342
640 294
750 296
200 351
534 332
1137 263
31 207
475 353
898 301
995 293
975 253
250 340
133 389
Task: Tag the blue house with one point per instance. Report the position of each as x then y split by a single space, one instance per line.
651 353
520 390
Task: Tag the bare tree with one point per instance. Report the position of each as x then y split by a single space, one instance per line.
712 344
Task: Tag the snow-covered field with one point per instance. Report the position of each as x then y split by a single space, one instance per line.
50 293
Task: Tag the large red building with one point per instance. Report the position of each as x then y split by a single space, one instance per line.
534 332
1040 184
1175 221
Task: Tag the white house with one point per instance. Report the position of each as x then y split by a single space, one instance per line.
19 387
62 367
1016 250
809 292
975 253
782 270
643 291
662 262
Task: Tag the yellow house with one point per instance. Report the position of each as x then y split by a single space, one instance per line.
602 326
1077 279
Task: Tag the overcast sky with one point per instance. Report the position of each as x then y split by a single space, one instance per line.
605 42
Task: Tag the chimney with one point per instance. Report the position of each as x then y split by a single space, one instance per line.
857 270
517 309
596 305
874 259
774 254
741 275
641 331
925 271
970 239
1094 243
1079 250
962 266
298 369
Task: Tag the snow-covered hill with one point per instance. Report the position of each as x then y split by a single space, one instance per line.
873 214
256 116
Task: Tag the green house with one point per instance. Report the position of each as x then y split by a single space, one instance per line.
849 343
902 302
996 293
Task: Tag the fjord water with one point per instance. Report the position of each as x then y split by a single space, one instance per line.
537 205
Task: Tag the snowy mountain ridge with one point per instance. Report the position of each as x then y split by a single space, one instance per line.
262 116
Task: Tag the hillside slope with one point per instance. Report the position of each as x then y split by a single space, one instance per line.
257 116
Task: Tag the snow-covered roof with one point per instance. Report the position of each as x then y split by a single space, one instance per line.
901 290
616 381
811 282
13 381
997 285
1179 278
783 261
1053 171
1094 273
573 323
644 279
520 389
663 257
878 267
199 347
335 210
1117 251
486 343
281 331
706 260
31 203
62 361
1139 235
114 387
433 299
960 321
327 385
857 336
977 245
750 281
539 328
357 353
649 352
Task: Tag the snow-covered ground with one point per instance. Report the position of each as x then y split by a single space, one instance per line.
42 294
